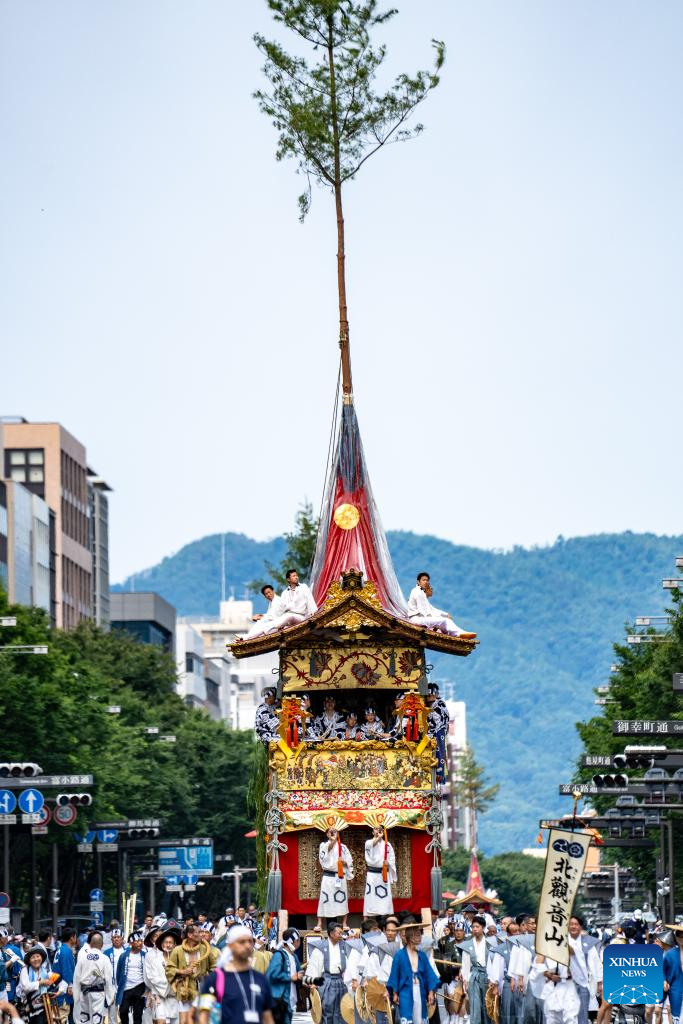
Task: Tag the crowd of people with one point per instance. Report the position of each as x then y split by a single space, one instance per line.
466 967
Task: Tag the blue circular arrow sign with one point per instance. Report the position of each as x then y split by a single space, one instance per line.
31 801
8 801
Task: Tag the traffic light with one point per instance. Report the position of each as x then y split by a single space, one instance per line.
76 799
55 895
615 831
19 769
664 887
143 833
610 781
643 761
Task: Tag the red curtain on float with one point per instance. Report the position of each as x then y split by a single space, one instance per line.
420 861
351 533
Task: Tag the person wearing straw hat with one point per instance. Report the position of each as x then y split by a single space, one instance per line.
412 982
337 864
380 861
162 1000
673 970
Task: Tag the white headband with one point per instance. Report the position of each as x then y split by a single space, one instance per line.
239 931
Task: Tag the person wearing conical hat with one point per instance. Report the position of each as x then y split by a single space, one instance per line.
380 861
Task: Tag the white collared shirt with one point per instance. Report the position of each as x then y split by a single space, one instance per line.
298 600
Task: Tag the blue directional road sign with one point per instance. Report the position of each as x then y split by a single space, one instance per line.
173 879
89 837
175 860
97 918
190 879
107 835
96 894
8 801
31 801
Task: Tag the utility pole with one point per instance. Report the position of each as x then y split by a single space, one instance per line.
55 886
616 901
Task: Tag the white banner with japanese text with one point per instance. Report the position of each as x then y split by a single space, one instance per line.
567 852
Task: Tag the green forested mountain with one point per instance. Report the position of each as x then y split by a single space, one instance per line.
546 619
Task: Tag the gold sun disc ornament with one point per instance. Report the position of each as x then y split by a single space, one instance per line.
347 516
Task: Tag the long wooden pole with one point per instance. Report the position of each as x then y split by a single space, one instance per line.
344 343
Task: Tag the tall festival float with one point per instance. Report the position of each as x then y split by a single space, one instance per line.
359 648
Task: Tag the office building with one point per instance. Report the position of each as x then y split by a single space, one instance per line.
146 616
247 679
457 827
29 556
4 538
48 461
98 540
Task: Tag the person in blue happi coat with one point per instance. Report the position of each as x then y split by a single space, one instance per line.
65 966
673 971
413 981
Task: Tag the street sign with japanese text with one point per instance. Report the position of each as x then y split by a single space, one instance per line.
50 781
183 860
565 861
596 761
638 727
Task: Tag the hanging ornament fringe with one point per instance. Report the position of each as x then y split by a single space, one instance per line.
437 888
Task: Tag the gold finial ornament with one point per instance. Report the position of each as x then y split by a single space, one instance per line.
346 516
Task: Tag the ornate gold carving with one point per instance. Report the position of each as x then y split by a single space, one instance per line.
360 765
351 666
310 872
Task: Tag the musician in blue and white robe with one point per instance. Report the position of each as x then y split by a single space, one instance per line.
266 721
331 725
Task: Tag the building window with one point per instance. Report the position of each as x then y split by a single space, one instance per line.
26 466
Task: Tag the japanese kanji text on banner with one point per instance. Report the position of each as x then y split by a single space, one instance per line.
567 852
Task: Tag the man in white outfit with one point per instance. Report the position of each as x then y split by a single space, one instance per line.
337 864
380 859
274 618
297 598
93 986
422 613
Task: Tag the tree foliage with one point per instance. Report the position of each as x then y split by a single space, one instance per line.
54 708
532 677
326 107
640 689
300 550
516 877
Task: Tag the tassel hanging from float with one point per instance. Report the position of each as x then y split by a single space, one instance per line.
340 862
437 888
274 891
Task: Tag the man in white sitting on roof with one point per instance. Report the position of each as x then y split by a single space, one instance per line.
275 617
296 598
422 613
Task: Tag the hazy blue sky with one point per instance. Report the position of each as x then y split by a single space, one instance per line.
514 275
